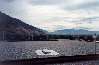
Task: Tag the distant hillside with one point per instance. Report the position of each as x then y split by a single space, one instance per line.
14 29
74 32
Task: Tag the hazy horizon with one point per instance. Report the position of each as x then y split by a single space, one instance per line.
52 15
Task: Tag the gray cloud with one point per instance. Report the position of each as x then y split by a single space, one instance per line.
21 8
86 28
88 20
7 0
84 6
46 2
91 19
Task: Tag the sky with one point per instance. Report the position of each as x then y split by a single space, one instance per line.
52 15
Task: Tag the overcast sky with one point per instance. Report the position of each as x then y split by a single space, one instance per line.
54 15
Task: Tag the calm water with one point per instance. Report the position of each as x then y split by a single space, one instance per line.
25 50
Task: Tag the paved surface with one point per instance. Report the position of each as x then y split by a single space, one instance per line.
25 50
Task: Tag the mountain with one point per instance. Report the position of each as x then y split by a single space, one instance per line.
14 29
74 32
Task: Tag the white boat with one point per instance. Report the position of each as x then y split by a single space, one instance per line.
46 52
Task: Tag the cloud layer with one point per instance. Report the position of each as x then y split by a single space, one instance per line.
54 15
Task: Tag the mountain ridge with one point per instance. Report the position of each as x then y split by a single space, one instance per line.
15 28
74 32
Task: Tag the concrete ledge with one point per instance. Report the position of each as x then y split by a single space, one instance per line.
51 60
